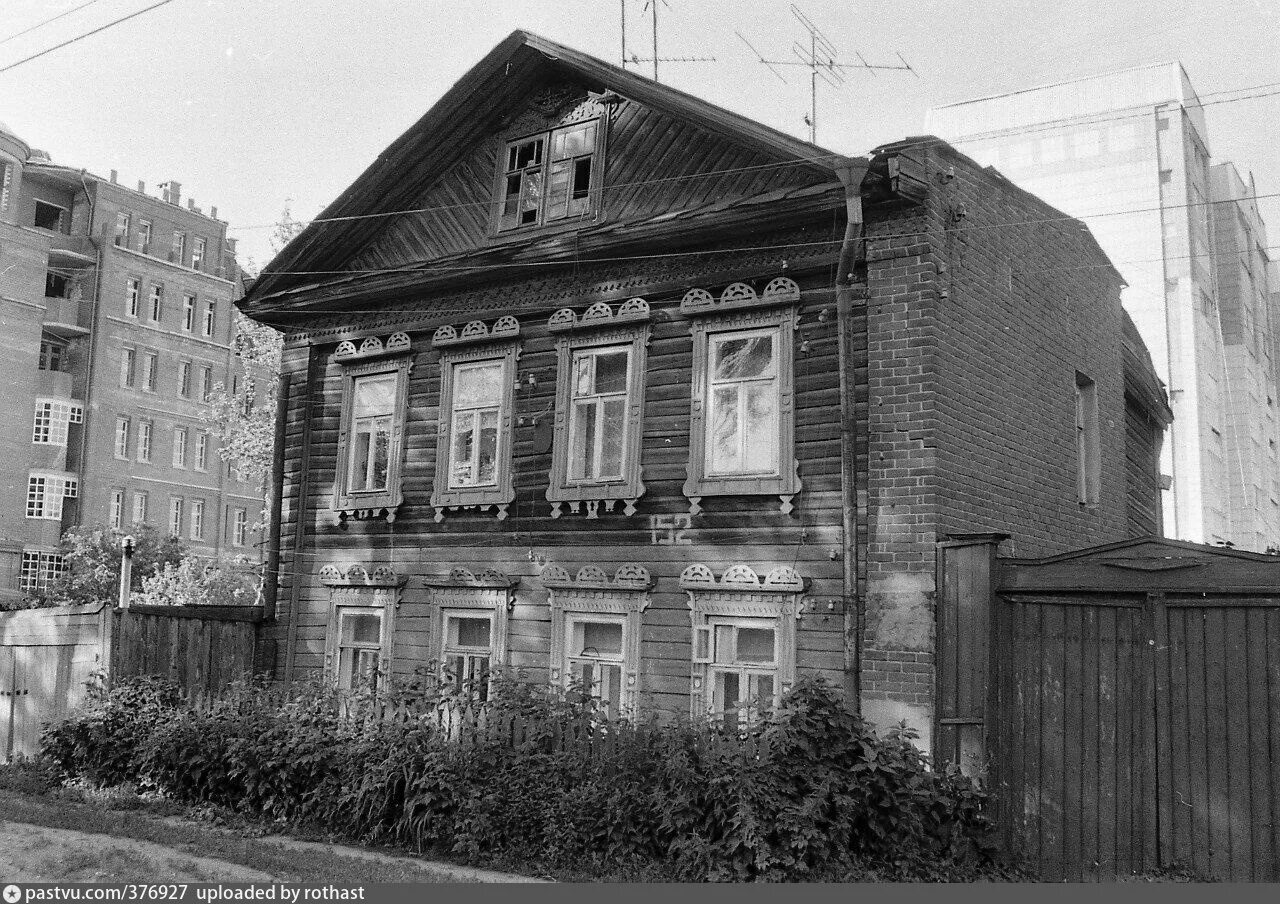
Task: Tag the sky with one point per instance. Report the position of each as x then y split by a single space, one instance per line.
255 105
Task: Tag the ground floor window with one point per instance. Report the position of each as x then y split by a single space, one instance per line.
359 647
743 670
594 647
362 606
39 570
469 618
467 649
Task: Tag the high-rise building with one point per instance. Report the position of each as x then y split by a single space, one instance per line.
1128 152
116 316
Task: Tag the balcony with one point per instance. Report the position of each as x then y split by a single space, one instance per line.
71 250
63 315
53 384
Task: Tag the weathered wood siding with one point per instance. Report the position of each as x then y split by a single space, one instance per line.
202 648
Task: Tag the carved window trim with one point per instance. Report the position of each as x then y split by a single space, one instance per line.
739 308
599 327
489 593
740 593
371 358
355 587
594 593
476 343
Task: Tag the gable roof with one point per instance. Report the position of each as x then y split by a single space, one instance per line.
474 106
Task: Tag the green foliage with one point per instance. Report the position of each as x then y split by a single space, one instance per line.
194 582
92 557
537 778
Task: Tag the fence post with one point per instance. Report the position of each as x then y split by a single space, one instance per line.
126 570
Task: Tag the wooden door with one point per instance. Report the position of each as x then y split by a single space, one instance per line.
6 703
41 679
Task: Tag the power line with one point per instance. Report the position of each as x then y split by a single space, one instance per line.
81 37
18 34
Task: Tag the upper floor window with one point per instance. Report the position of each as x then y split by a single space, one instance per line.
202 451
128 361
39 570
188 311
1088 442
122 436
139 508
116 519
206 382
176 507
157 302
144 236
6 184
210 317
52 420
123 221
198 246
197 519
742 403
179 251
132 290
179 447
184 379
150 367
550 177
45 492
144 441
239 527
50 216
53 355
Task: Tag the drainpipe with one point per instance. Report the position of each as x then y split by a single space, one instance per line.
91 357
851 284
272 578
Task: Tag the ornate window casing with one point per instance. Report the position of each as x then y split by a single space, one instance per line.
599 396
744 637
362 611
375 390
477 405
465 607
743 393
595 632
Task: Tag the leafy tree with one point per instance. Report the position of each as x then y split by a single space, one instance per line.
92 558
194 582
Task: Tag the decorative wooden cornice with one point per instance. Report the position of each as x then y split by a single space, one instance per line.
506 327
488 579
738 296
742 578
373 347
629 577
382 576
600 314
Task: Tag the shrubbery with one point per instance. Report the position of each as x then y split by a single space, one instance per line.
812 793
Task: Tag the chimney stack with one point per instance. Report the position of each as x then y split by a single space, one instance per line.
142 186
213 212
191 203
171 192
113 177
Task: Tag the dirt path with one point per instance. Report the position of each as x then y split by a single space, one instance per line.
38 854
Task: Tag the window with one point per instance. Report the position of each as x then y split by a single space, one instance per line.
210 314
239 527
473 455
139 508
6 184
150 365
202 451
128 362
370 432
49 216
45 492
117 509
197 252
184 379
144 441
188 311
470 627
122 229
144 236
197 519
179 447
744 638
157 302
52 420
362 611
55 285
742 426
468 648
178 252
122 437
1088 442
549 177
53 355
175 515
39 570
132 291
359 647
206 382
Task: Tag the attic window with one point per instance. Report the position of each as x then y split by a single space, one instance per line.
549 177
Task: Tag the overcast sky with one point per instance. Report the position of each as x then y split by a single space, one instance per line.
248 103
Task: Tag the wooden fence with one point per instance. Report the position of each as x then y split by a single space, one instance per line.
203 648
1130 719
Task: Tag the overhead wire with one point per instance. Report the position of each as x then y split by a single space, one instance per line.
81 37
43 22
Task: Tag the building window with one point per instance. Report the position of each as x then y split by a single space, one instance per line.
116 516
197 252
359 647
210 315
39 570
595 632
175 516
139 508
6 184
197 519
370 434
188 311
49 216
471 612
206 382
179 447
157 302
45 492
550 177
53 355
128 362
184 379
150 365
55 285
52 421
122 437
202 451
742 430
122 229
361 621
144 441
467 650
132 291
179 251
473 453
744 638
144 236
239 527
1088 442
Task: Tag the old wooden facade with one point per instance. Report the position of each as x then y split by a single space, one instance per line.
593 380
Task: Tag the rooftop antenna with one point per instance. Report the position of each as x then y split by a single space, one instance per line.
652 6
820 57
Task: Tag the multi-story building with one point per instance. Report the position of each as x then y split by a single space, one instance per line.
1129 152
116 309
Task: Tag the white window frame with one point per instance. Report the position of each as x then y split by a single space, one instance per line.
39 569
177 511
156 299
210 317
144 236
360 590
150 371
124 220
52 421
116 515
381 501
180 447
239 527
146 433
140 501
123 429
46 491
188 312
201 461
179 247
1088 442
198 247
462 594
128 367
197 520
132 296
470 675
184 379
741 387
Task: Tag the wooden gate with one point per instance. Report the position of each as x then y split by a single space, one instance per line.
1131 715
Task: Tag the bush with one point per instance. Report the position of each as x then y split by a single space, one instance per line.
548 781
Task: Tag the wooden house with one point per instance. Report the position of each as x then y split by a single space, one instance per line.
591 379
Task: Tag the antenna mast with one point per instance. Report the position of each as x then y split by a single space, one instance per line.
820 57
652 5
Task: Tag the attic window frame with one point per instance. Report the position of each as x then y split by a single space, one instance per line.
497 229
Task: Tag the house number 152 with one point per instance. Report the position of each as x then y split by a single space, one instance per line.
668 530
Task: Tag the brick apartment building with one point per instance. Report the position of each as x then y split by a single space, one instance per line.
116 309
691 423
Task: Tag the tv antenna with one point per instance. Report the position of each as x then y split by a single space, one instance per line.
651 6
822 60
